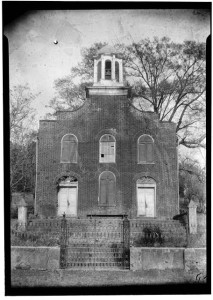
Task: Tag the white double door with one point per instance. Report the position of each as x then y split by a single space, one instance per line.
67 201
146 201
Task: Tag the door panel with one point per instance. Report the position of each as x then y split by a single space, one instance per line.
149 202
67 201
146 197
72 201
62 201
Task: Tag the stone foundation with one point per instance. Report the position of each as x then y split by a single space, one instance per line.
43 258
190 259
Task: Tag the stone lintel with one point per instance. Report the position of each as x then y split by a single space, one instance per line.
109 90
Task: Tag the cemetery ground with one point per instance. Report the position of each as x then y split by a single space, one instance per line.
101 278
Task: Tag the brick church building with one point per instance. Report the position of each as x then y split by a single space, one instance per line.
107 158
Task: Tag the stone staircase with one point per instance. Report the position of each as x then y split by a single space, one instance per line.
95 244
95 256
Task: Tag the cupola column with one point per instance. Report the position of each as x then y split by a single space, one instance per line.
95 71
120 72
113 68
102 67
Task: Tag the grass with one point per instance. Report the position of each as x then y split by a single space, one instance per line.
75 278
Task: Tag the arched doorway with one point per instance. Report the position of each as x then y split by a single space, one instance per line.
67 196
146 197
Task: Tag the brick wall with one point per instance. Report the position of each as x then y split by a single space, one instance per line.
98 116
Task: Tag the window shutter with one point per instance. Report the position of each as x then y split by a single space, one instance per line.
149 152
111 191
73 152
107 149
111 151
65 151
103 199
142 152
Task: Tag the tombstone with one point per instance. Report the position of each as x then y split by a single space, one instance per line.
192 215
22 214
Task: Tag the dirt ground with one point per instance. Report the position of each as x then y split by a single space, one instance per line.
75 278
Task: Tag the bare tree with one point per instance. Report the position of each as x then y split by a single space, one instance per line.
167 78
170 78
22 139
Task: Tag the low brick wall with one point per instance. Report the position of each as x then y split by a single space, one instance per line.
190 259
35 257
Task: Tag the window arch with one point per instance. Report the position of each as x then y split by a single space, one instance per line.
145 149
108 69
107 189
69 148
107 149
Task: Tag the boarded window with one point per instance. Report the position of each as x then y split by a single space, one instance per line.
145 149
107 149
107 189
69 148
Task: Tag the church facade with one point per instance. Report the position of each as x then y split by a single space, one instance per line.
107 158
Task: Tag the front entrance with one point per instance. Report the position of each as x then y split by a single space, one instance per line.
146 197
95 243
67 197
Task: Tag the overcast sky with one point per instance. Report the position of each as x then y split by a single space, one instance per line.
36 60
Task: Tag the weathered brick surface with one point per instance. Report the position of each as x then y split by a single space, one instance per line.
98 116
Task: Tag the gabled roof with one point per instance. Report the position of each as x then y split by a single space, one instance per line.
107 50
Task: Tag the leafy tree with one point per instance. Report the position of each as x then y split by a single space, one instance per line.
22 139
192 182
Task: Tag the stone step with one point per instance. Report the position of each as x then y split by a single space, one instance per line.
96 265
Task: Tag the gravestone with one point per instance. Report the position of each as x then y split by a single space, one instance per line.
192 214
22 214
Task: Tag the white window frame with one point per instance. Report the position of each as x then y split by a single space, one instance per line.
100 158
66 162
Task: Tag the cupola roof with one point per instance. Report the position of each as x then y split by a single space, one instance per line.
107 50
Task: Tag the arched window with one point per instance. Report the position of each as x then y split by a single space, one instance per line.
107 189
145 149
117 71
108 70
69 148
107 149
99 71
